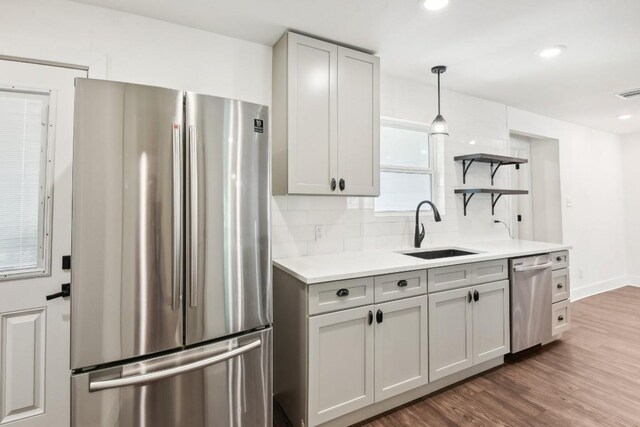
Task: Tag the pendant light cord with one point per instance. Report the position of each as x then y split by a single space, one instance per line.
438 92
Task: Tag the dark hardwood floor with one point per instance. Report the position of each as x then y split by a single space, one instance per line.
589 378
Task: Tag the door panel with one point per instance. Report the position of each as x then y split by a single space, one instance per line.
341 371
313 114
228 263
491 333
401 356
450 333
127 211
232 393
358 122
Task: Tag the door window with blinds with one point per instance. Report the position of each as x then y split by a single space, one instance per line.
24 133
406 166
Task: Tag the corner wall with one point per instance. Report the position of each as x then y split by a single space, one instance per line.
631 154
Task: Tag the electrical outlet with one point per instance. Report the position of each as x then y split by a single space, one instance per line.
580 274
569 202
321 232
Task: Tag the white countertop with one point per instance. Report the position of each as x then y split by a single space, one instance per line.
348 265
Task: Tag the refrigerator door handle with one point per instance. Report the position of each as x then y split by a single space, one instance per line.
171 372
193 229
533 267
177 218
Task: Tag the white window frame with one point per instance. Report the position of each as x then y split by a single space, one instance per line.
44 267
431 170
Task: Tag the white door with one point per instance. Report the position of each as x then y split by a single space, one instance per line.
340 363
491 333
313 114
358 123
401 356
450 332
36 124
522 209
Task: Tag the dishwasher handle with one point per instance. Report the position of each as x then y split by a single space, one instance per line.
533 267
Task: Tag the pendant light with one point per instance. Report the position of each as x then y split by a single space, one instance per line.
439 125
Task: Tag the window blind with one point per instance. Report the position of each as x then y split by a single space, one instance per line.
23 136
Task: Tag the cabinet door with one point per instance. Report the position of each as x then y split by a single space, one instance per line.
450 332
340 363
491 333
312 126
358 123
401 357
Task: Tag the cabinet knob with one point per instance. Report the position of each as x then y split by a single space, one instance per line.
402 283
370 317
559 285
342 184
561 318
470 297
476 295
333 184
379 316
342 292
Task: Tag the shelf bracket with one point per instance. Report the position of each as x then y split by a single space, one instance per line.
494 200
466 198
493 171
465 168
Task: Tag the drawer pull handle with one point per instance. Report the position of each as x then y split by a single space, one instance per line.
343 292
402 284
379 316
561 318
559 285
559 258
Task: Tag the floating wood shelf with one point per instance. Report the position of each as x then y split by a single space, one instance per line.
468 193
492 159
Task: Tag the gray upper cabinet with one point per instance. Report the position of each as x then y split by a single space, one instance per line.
326 119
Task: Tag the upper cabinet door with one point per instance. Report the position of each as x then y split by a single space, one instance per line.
312 115
358 123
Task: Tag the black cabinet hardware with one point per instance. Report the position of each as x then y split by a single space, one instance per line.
64 292
561 318
519 218
370 317
66 262
476 295
559 285
558 258
333 184
343 292
379 316
492 159
470 297
342 184
402 283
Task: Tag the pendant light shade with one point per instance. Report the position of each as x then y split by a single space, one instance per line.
439 125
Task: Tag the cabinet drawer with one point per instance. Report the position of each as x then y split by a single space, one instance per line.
449 277
400 285
489 271
560 320
560 259
560 285
339 295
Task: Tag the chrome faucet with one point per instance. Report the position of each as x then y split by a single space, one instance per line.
419 235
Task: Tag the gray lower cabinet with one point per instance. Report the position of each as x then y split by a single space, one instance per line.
467 326
401 346
341 363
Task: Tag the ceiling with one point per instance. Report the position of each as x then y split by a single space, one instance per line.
489 45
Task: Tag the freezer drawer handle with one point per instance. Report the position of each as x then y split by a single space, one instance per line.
533 267
193 197
172 372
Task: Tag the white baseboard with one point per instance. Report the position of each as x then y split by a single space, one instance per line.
604 286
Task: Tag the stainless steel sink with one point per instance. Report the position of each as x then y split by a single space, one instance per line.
440 253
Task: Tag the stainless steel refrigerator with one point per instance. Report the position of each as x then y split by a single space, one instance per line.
171 278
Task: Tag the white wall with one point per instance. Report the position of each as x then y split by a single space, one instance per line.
630 156
137 49
593 183
142 50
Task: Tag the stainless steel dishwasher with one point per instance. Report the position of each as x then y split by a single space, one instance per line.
530 280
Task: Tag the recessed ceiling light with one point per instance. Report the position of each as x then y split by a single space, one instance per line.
472 142
551 52
434 4
625 116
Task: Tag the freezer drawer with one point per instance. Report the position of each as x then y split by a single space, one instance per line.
216 385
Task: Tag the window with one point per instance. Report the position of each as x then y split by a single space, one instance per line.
406 166
23 164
